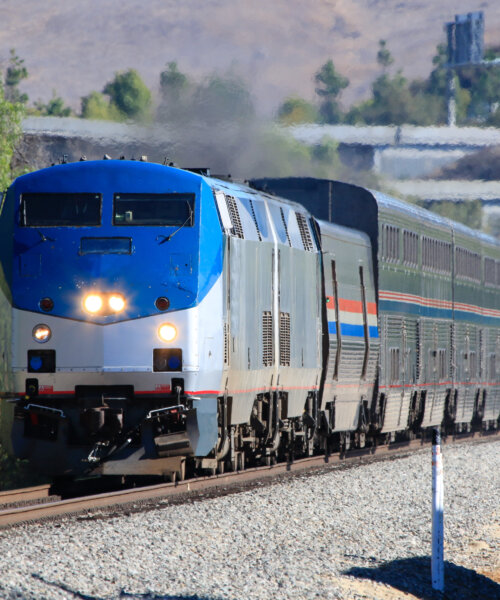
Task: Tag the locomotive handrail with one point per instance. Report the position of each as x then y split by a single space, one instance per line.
47 409
165 410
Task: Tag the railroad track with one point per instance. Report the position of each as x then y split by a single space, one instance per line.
145 498
22 495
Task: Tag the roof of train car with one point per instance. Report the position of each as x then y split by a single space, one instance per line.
282 186
388 202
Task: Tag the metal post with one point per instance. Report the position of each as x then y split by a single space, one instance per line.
437 564
451 97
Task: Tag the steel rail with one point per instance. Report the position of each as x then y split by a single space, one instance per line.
222 483
38 492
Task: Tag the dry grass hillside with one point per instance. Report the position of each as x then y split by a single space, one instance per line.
75 46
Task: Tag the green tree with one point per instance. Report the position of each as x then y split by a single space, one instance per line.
384 57
175 91
296 110
390 103
11 114
15 73
437 83
172 82
329 86
97 106
223 98
483 86
129 94
54 107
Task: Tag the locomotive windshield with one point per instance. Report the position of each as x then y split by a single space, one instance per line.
60 210
154 209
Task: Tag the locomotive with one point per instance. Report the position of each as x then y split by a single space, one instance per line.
156 319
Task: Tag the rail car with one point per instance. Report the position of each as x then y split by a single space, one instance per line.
155 317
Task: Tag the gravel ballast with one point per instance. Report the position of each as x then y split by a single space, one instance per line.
362 532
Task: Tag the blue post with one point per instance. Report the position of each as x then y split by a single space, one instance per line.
437 563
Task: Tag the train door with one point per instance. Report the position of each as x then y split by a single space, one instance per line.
396 410
433 377
467 362
332 305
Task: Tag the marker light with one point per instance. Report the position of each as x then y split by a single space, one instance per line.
46 304
92 303
116 302
167 332
41 333
162 303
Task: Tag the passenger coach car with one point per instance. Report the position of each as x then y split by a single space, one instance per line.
155 316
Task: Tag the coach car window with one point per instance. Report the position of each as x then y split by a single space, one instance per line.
154 209
60 210
467 264
436 255
490 271
410 248
390 240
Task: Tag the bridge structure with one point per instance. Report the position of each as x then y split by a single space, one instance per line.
408 158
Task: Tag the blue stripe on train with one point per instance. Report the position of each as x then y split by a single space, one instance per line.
352 330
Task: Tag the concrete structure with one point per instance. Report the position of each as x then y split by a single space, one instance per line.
405 152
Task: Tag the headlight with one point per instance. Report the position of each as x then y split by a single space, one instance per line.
116 302
92 303
167 332
42 333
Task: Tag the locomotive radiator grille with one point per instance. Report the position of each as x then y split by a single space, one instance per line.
234 215
255 220
285 339
304 232
285 226
267 339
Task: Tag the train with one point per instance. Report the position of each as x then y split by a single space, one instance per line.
164 321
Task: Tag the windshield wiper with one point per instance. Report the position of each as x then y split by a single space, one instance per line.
167 238
43 237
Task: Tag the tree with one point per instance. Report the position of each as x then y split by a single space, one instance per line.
54 107
437 84
223 98
330 84
16 72
11 114
390 103
97 106
174 93
296 110
384 57
129 94
172 82
483 86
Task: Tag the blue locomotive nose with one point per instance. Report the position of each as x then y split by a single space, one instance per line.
142 245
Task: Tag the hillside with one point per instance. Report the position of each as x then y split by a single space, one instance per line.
74 46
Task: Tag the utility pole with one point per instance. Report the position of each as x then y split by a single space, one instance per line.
451 97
